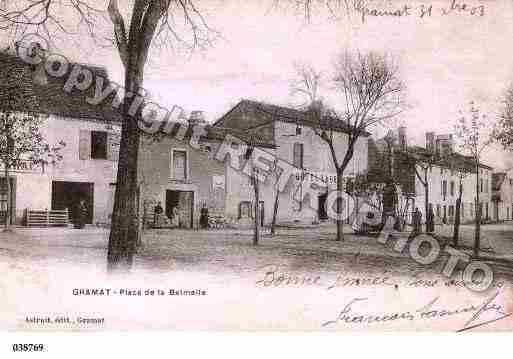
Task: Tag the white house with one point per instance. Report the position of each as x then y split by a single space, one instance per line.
91 134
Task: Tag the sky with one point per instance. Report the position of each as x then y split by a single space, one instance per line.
446 61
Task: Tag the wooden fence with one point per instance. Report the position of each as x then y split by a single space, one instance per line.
46 218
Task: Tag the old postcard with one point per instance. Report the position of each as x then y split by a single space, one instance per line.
227 165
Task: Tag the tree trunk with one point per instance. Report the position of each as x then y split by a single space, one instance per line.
477 232
426 195
256 234
275 212
124 229
340 223
457 218
8 210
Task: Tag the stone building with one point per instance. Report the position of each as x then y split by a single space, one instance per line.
177 174
502 196
446 170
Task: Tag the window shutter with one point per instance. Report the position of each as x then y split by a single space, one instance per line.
84 145
113 141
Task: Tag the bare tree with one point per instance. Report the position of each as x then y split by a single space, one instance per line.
504 130
422 162
255 183
149 20
475 135
276 200
22 142
369 88
459 165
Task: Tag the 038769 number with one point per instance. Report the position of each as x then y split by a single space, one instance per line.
28 347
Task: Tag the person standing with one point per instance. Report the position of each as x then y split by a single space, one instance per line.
157 212
204 216
417 220
175 221
81 214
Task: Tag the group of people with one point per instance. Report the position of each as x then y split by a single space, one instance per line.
177 216
160 219
417 220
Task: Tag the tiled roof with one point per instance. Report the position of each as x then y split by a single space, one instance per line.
219 133
50 96
454 159
291 115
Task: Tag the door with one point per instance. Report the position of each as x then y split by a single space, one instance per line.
3 199
262 212
184 200
321 209
69 194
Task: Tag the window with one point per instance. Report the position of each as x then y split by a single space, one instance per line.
298 131
481 186
444 188
438 210
451 211
179 158
297 160
452 188
462 210
99 145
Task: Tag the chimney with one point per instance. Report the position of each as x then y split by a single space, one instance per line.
197 117
430 141
403 144
444 144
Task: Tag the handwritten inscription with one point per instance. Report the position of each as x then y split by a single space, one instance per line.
430 311
275 276
367 9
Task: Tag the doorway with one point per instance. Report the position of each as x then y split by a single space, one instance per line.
321 208
185 202
3 200
262 213
69 194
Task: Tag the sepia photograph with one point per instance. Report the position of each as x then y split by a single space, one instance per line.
255 166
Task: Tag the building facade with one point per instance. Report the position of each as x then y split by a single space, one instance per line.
91 135
176 174
502 196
